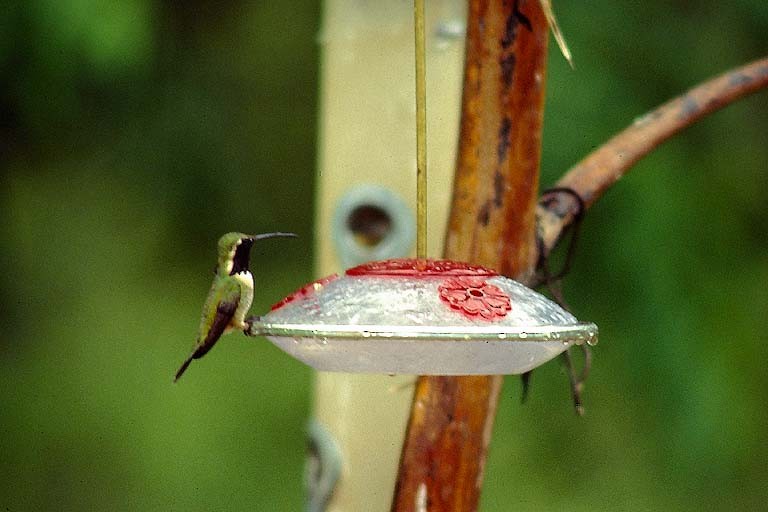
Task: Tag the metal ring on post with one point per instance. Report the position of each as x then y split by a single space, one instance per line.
372 223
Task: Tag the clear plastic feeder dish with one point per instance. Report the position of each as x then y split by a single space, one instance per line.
426 317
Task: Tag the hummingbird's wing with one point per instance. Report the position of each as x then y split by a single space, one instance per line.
224 312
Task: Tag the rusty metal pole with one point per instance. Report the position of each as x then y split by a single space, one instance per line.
492 223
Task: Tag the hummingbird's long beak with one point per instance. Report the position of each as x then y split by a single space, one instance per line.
273 235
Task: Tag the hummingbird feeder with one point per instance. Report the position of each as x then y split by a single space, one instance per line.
421 316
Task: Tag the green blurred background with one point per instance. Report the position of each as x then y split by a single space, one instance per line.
134 133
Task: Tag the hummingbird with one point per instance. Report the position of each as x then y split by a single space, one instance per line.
231 293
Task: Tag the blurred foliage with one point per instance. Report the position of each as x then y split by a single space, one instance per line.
135 132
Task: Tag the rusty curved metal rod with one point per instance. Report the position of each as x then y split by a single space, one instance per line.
602 168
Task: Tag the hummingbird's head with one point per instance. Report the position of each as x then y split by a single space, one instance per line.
235 249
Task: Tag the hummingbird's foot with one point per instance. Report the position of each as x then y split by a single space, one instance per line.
248 331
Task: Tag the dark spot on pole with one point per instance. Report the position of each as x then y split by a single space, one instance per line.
508 69
689 107
498 189
713 103
737 79
503 146
510 27
522 18
484 216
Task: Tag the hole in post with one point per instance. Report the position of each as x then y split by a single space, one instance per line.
369 224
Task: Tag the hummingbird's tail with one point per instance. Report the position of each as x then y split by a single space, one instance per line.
184 367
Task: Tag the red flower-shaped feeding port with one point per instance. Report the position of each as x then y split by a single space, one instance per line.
475 298
305 291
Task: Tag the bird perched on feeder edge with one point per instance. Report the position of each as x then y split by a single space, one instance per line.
231 293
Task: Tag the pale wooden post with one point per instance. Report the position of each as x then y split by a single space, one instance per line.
367 136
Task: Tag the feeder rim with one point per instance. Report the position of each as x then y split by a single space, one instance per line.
578 333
